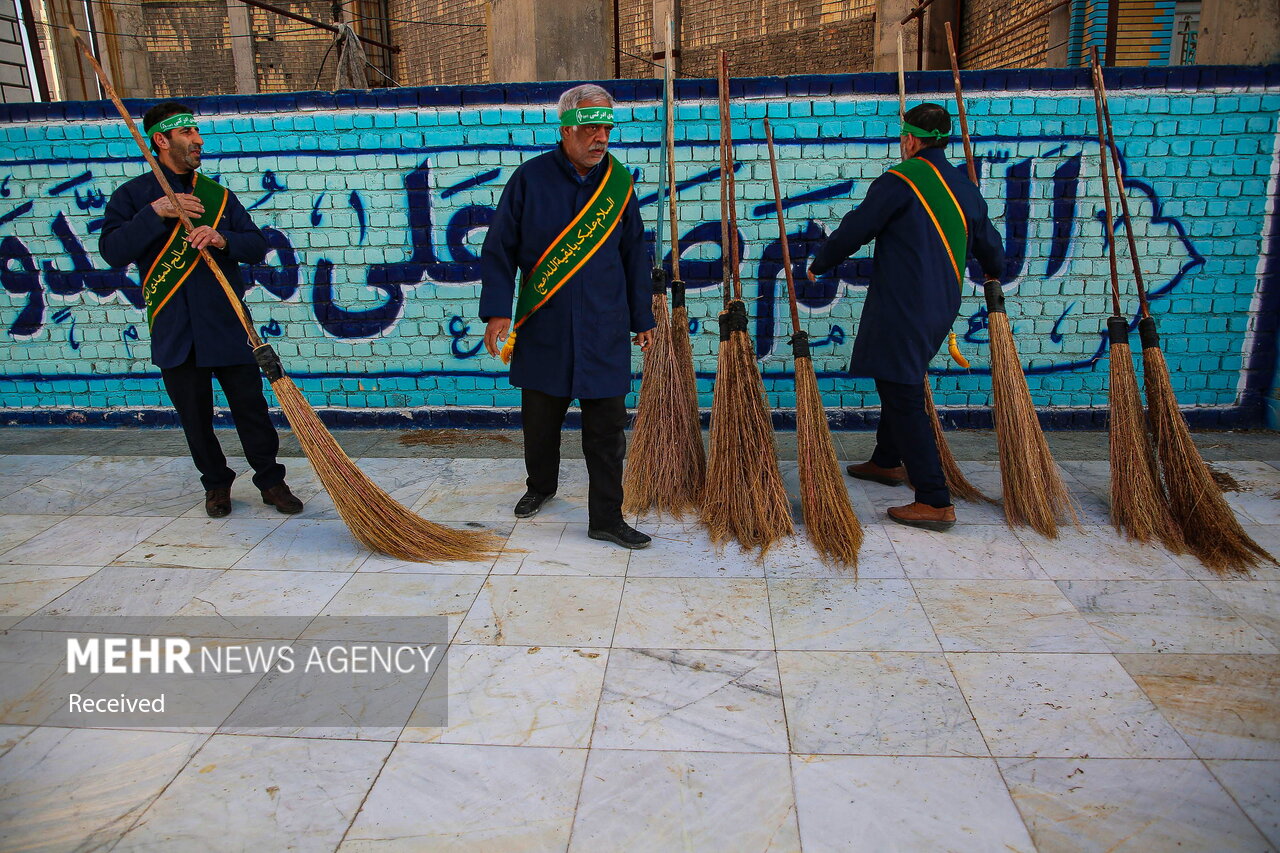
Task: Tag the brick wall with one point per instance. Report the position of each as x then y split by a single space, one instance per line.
1024 47
396 187
451 50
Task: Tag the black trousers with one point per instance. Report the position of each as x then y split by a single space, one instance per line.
905 437
191 389
603 444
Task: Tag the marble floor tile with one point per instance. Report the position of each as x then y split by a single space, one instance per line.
514 696
685 801
487 490
11 735
83 541
896 803
199 543
34 682
123 591
848 615
1072 804
1005 616
266 604
682 549
1097 552
33 467
1163 616
79 484
543 611
16 529
26 589
404 480
387 564
703 613
396 608
307 546
261 793
796 557
171 490
1224 706
80 789
700 700
491 799
560 548
1257 602
875 703
1255 499
1255 786
1063 705
965 552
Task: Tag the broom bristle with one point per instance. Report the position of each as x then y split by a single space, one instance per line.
829 518
957 483
1209 526
744 498
1139 507
374 517
664 471
1034 493
686 404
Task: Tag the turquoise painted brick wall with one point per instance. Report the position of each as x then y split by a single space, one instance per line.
376 213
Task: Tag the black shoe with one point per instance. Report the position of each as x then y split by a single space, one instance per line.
282 499
621 534
217 502
528 506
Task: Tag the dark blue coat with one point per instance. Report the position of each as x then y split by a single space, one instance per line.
198 315
914 296
579 343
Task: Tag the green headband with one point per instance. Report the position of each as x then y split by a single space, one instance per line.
587 115
171 123
912 130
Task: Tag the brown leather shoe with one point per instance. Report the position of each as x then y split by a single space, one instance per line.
282 499
922 515
217 502
873 472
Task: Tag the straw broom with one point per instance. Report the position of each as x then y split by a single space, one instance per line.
829 519
957 483
1209 526
1139 508
374 518
666 466
744 498
1034 493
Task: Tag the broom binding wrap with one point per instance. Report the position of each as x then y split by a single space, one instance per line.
1118 330
268 362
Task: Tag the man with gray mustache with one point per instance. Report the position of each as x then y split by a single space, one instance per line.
569 224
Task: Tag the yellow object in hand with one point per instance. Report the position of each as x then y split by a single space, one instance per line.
954 349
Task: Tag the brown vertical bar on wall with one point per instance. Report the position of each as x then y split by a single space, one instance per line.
1113 27
920 39
37 56
617 43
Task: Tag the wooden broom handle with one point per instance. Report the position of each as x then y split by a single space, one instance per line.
964 121
236 305
1124 199
671 152
782 231
1106 189
726 248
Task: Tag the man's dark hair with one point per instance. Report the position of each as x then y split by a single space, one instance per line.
931 117
159 113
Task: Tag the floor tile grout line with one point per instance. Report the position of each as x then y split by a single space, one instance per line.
595 718
786 720
969 707
1231 795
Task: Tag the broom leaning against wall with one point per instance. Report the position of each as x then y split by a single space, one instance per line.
925 219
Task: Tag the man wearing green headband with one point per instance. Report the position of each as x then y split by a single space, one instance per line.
568 228
195 334
926 219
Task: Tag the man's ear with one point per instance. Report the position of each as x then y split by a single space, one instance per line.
160 141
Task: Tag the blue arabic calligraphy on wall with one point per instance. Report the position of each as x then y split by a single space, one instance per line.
376 216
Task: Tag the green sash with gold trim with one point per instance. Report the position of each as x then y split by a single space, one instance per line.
941 205
178 257
574 246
